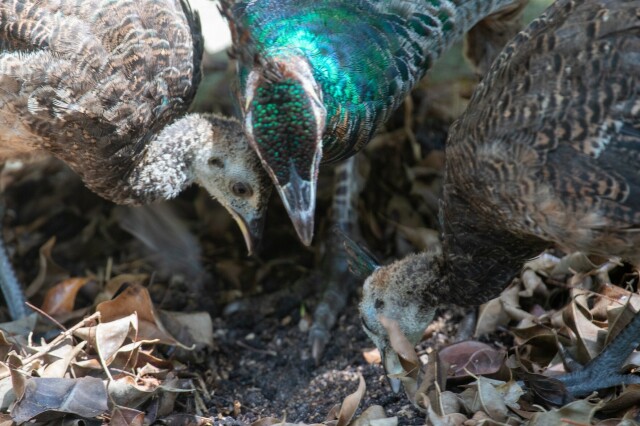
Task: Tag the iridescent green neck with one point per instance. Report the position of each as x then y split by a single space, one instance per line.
364 55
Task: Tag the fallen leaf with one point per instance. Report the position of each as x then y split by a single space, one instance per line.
471 358
576 262
374 416
123 416
483 396
136 299
590 338
351 402
49 397
61 298
579 412
49 271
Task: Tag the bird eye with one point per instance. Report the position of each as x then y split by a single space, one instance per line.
216 162
241 189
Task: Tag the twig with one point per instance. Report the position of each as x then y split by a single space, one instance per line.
251 348
46 348
47 316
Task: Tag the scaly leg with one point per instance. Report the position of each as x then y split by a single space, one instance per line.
604 370
339 282
11 290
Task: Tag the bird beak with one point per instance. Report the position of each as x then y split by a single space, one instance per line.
299 198
392 367
251 229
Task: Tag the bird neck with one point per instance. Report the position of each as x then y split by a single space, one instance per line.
479 259
159 170
361 83
165 167
359 96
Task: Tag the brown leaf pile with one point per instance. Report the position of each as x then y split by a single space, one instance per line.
472 382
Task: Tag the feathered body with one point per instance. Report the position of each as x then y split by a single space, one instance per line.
102 85
318 78
549 146
547 153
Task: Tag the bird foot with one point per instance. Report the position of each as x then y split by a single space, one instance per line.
604 370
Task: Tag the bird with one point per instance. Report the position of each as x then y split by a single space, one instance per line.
104 86
317 79
311 91
545 155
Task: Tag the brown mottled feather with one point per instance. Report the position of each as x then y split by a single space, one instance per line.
549 147
547 153
91 81
103 85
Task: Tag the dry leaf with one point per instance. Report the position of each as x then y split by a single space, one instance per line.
136 299
49 272
351 402
483 396
578 318
123 416
374 416
472 358
61 298
578 413
46 398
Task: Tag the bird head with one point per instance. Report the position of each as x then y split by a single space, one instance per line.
229 169
285 120
393 294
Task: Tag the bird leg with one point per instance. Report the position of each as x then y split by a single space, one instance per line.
604 370
11 289
339 282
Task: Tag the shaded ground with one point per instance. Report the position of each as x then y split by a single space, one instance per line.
260 365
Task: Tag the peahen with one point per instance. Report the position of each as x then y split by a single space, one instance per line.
546 154
103 85
317 79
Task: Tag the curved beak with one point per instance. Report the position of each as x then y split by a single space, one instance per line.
392 367
299 198
251 228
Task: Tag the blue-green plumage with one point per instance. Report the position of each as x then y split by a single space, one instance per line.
346 65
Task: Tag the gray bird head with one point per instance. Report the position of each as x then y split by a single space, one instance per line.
394 294
213 152
229 169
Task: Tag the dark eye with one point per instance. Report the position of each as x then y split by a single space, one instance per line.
216 162
241 189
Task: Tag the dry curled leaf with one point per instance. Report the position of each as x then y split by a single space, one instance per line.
351 403
49 271
123 416
472 358
47 398
579 412
136 299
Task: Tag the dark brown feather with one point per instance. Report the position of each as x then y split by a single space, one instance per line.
93 81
